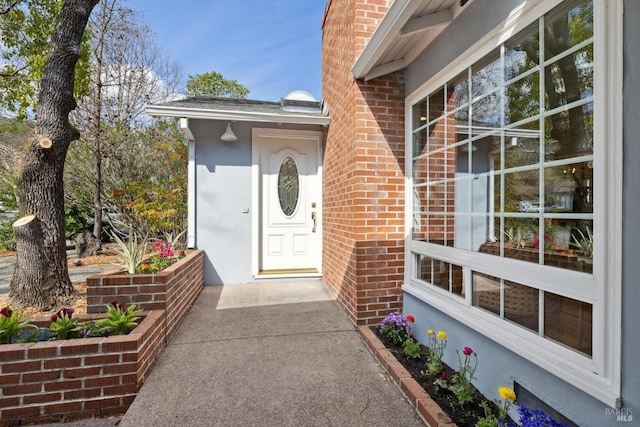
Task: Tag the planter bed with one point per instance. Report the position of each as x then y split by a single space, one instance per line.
78 378
174 289
55 381
428 409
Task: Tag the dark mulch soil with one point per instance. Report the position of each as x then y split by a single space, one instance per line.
463 415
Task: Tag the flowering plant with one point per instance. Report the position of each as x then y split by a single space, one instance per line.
536 417
65 325
10 324
121 319
163 256
396 328
508 396
462 387
437 344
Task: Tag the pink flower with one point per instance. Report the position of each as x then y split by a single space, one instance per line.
411 319
467 351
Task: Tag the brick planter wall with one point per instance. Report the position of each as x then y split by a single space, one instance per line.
80 378
173 289
97 377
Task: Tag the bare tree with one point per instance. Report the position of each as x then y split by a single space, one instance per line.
128 71
41 277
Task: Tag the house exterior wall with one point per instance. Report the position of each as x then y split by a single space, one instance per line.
363 178
497 365
223 223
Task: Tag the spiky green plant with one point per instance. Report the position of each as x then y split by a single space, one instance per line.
131 252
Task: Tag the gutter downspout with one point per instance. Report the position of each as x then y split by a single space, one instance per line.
191 183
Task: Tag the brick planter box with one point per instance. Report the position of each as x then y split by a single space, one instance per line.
96 377
79 378
173 289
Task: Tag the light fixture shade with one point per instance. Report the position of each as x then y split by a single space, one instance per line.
228 135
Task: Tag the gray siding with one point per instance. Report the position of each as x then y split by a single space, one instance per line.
223 201
497 365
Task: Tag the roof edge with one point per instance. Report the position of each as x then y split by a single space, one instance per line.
388 29
241 116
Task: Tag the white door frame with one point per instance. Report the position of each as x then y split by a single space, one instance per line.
256 191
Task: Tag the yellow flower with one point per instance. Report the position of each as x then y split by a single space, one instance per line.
430 331
442 335
507 394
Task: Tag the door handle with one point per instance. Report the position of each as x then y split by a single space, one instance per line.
314 217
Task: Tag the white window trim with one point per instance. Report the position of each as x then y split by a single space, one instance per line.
599 376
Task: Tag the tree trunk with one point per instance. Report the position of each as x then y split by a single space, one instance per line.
40 185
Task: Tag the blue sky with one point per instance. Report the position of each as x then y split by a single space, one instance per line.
270 46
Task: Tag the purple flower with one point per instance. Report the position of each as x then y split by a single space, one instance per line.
7 312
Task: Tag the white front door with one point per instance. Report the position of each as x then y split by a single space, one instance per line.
290 196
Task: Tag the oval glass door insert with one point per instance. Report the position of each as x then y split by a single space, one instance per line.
288 185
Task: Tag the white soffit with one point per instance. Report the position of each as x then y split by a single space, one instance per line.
406 30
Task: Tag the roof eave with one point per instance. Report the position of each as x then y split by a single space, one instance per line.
241 116
386 33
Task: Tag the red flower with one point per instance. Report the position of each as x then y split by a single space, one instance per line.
118 306
7 312
411 319
443 376
467 351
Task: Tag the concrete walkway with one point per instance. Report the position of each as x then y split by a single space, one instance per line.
263 363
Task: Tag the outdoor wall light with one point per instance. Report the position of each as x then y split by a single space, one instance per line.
228 135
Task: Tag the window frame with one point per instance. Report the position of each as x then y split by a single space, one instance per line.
598 375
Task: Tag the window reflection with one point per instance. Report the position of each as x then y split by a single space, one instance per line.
504 150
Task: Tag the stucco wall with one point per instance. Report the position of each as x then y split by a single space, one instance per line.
224 195
631 211
497 365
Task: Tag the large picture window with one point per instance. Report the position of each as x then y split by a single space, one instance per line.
507 185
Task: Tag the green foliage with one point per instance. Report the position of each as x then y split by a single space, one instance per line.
489 419
7 236
131 252
215 84
76 219
65 326
10 324
584 243
412 349
25 32
146 184
121 320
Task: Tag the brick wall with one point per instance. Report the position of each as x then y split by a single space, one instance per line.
174 289
363 175
82 378
97 377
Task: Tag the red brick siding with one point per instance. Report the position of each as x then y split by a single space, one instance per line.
363 175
